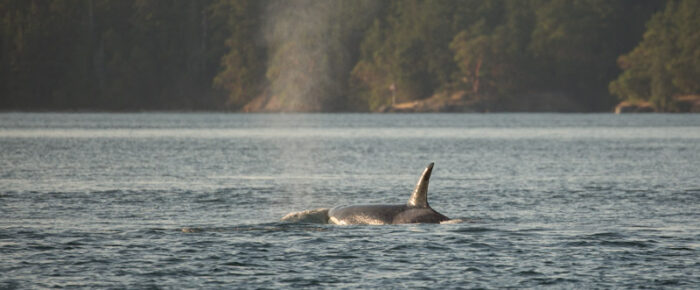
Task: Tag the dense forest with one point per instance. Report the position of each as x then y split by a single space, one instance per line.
346 55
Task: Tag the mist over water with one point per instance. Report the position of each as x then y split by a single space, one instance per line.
311 62
299 69
194 200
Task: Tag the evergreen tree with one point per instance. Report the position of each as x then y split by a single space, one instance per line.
407 51
318 55
242 67
667 62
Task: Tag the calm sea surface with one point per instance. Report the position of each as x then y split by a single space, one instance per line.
194 200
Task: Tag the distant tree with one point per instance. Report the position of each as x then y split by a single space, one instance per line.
407 49
106 55
667 62
41 40
576 42
167 53
242 73
491 53
340 55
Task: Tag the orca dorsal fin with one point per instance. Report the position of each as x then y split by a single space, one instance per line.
419 197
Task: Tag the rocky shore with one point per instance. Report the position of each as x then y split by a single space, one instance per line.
683 104
461 102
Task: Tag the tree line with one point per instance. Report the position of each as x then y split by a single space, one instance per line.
345 55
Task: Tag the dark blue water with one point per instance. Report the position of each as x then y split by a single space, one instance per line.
194 200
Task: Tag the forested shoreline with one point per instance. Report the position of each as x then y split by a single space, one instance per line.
346 55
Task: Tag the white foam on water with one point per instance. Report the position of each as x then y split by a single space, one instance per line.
319 216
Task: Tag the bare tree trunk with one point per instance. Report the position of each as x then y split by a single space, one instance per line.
476 76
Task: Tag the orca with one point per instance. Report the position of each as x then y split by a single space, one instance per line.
416 210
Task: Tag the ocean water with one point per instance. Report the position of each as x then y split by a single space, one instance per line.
184 200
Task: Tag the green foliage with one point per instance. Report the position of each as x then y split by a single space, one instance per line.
241 74
580 55
667 62
310 55
409 49
28 29
500 52
491 53
107 55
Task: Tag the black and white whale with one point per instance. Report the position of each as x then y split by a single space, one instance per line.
416 210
